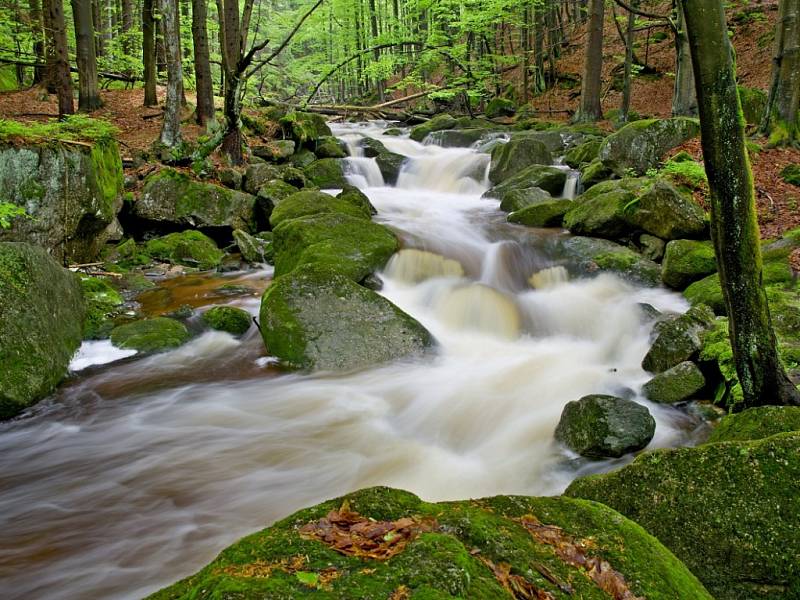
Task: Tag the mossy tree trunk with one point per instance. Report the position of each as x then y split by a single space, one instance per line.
684 97
171 128
590 109
149 52
734 226
781 115
88 92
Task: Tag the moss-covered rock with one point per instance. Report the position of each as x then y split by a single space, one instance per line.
371 147
730 511
326 173
172 197
350 245
302 158
269 196
515 200
593 173
686 261
500 107
543 214
509 158
600 426
253 249
315 318
652 247
329 147
640 146
756 424
258 174
41 325
548 178
275 150
390 165
70 193
150 335
357 198
456 138
590 256
678 340
754 103
583 154
304 128
437 123
677 384
478 549
707 291
227 318
306 203
190 248
102 303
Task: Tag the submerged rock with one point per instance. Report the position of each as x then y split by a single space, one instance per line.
518 153
600 426
477 549
730 511
41 324
413 266
227 318
677 384
315 318
150 335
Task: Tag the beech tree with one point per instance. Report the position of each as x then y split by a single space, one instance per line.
204 113
171 129
734 226
781 116
590 109
86 59
57 56
149 52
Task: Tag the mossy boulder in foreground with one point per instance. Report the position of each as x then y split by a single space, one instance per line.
676 384
150 335
557 548
756 423
678 340
326 173
730 511
41 324
315 318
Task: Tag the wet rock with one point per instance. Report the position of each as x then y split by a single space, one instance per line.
412 265
150 335
756 424
390 165
252 248
678 340
600 426
518 199
173 198
71 195
457 138
329 147
686 261
228 319
315 318
372 147
326 173
189 248
558 140
677 384
509 158
102 303
547 178
41 325
730 511
393 131
356 197
640 146
437 123
311 203
594 255
543 214
469 549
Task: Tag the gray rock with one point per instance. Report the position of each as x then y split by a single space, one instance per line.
508 159
550 179
590 256
252 249
652 246
676 384
257 175
390 165
518 199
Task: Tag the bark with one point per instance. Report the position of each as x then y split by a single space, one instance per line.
590 109
171 128
684 97
97 20
734 226
58 57
88 93
127 25
232 142
202 67
781 116
37 33
149 52
373 20
626 83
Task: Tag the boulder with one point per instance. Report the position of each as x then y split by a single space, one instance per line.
350 245
258 175
190 248
228 319
371 147
326 173
150 335
71 195
583 154
456 138
518 199
754 103
500 107
172 198
590 256
307 203
41 325
302 158
686 261
677 384
707 291
652 247
304 128
437 123
315 318
678 340
558 140
509 158
275 150
329 147
547 178
390 165
756 423
102 303
594 173
543 214
356 197
730 511
600 426
269 196
252 248
491 549
293 176
640 146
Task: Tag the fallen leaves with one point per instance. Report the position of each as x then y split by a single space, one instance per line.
516 585
352 534
574 553
294 565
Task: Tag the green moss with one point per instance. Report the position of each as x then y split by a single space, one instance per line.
304 128
191 248
72 128
500 107
102 304
707 291
677 384
449 561
107 168
518 153
685 173
326 173
307 203
543 214
791 174
728 510
756 424
150 335
8 78
583 154
227 318
686 261
754 103
437 123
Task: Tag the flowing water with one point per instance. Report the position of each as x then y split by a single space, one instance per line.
137 473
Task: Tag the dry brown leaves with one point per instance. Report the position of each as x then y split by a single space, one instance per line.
401 593
293 566
516 585
573 552
352 534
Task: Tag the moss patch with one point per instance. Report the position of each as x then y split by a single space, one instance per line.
150 335
227 318
756 423
307 203
191 248
102 303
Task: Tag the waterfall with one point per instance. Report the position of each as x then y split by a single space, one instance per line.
572 185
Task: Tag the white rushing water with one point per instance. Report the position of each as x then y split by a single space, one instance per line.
140 472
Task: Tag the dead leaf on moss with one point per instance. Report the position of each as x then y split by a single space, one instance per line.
401 593
516 585
352 534
574 552
295 565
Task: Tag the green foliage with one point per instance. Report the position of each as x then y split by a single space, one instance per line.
72 128
8 212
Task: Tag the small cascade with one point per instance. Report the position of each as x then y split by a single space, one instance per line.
549 278
452 170
478 307
572 186
504 266
363 172
413 266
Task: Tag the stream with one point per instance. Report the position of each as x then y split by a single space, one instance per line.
136 473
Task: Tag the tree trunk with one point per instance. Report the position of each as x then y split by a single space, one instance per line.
58 58
590 110
149 53
127 25
376 55
232 142
37 32
88 93
781 115
97 20
626 82
202 68
684 97
734 226
171 128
